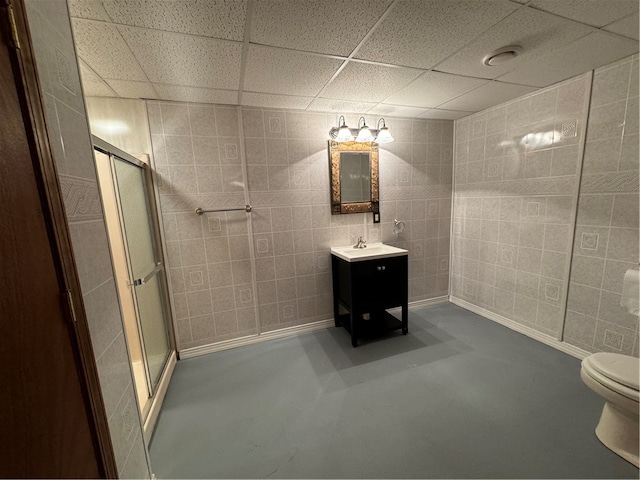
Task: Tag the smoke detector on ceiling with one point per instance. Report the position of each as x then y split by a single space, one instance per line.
502 55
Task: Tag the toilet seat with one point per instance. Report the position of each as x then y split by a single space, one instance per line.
617 372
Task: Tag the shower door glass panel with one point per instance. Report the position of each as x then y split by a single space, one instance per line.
146 269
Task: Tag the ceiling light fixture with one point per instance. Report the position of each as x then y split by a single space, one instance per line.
342 133
502 55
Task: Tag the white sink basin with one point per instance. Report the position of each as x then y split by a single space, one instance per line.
370 252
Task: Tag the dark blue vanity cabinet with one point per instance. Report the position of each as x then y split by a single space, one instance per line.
367 289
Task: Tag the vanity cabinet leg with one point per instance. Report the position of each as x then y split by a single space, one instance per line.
335 280
354 338
405 319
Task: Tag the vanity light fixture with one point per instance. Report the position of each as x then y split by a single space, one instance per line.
342 133
384 136
364 134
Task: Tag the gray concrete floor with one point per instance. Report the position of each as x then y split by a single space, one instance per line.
459 397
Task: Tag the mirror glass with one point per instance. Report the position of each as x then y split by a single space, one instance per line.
354 177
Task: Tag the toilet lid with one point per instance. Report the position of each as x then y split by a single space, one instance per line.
623 369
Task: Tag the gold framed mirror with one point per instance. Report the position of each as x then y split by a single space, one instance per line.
354 177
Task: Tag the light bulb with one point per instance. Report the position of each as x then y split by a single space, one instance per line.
364 135
344 134
384 136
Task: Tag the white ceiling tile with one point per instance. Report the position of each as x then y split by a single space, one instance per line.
181 61
396 110
273 70
422 33
250 99
129 89
439 114
627 26
434 88
594 12
178 59
586 53
538 33
218 19
92 84
196 95
315 25
340 106
368 82
103 49
488 95
91 9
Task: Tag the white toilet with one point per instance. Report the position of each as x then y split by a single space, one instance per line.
615 378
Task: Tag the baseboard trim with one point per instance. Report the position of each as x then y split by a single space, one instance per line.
523 329
429 301
250 340
285 332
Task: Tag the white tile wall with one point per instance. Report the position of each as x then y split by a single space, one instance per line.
514 248
225 278
73 154
606 240
514 178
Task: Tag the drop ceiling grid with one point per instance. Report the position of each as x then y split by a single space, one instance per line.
178 93
627 26
368 82
487 95
131 89
441 114
186 60
593 13
93 85
396 111
88 30
281 71
88 9
432 89
314 26
222 19
521 29
251 99
421 34
343 106
321 40
586 53
101 46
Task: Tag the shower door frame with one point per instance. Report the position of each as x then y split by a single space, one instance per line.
110 151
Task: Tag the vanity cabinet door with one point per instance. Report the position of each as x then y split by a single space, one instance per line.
380 284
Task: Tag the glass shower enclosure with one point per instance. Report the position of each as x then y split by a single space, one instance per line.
134 237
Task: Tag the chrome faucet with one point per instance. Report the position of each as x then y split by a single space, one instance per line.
361 243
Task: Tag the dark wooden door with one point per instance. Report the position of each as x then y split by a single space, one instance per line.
47 427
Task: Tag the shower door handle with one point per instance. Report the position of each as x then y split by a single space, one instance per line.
141 281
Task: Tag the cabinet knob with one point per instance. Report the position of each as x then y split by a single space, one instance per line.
381 267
